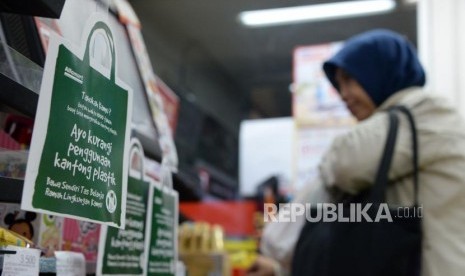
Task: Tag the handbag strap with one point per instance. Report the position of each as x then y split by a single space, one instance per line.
379 190
413 130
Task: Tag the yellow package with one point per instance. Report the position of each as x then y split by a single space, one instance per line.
8 237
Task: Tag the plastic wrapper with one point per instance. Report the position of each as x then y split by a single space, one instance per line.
8 237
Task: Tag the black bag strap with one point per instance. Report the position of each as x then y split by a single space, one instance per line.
413 130
381 180
379 190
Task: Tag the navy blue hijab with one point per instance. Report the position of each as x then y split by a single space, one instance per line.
382 61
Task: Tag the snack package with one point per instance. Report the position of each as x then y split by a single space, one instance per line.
81 236
13 163
50 234
45 231
8 237
21 222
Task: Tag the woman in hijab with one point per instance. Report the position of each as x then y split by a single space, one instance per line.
374 71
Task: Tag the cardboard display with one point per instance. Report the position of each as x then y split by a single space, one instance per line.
78 160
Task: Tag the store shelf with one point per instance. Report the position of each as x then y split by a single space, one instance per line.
12 190
42 8
18 97
23 100
188 186
151 148
20 79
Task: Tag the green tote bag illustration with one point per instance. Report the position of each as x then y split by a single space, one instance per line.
82 169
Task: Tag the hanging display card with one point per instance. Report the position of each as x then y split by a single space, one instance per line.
162 245
78 160
155 98
122 252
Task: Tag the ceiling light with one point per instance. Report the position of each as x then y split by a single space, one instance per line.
318 12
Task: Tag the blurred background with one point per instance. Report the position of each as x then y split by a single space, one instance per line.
224 71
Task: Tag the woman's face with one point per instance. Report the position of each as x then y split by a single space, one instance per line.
355 97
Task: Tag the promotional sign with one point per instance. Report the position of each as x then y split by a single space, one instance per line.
170 104
123 252
156 98
78 160
310 144
82 237
162 246
314 100
125 13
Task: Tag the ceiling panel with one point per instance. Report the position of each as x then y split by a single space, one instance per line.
208 33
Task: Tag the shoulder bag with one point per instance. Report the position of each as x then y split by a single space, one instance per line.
387 247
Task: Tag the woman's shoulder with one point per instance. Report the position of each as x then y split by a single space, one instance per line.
409 97
420 102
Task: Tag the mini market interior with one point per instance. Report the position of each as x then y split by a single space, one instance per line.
214 113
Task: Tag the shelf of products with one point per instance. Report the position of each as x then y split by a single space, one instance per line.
20 82
12 190
18 97
42 8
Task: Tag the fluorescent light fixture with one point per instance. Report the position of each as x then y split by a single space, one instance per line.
314 12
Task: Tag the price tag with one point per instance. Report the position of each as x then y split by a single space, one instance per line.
24 263
70 263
